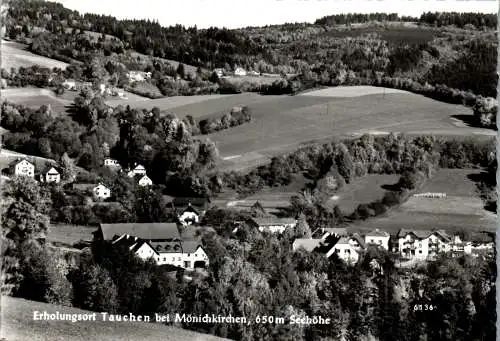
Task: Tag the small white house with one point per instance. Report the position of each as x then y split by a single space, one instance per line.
345 250
189 215
24 168
52 175
109 162
145 181
274 225
240 72
69 84
378 237
101 191
138 170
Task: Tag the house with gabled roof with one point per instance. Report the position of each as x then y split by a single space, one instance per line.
110 162
189 215
50 174
137 170
347 248
147 231
187 254
333 231
24 168
424 244
308 244
144 181
378 237
273 224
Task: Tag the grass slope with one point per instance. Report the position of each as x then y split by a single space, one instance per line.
15 55
18 325
69 234
461 209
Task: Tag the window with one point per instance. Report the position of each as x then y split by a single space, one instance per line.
164 259
372 241
419 251
187 264
179 259
189 254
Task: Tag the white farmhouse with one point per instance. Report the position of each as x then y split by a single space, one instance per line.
52 175
138 170
274 225
308 244
378 237
109 162
189 215
24 168
101 191
145 181
160 242
347 248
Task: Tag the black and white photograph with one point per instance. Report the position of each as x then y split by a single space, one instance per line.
248 170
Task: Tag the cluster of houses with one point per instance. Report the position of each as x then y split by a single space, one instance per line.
419 245
52 174
238 71
73 85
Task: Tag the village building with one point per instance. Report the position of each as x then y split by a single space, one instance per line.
101 191
274 225
144 181
51 175
165 243
24 168
348 249
69 84
378 237
97 190
190 215
425 244
333 231
137 170
109 162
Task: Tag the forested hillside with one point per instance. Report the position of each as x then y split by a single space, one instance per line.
326 52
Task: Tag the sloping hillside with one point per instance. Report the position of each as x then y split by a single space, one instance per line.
18 325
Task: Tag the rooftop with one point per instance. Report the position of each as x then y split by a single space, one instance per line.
308 244
377 233
274 221
149 231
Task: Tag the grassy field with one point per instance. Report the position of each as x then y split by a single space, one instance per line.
282 123
18 324
69 234
7 157
460 209
15 55
271 198
362 191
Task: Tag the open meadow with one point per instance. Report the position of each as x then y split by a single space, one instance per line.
68 235
361 191
18 325
15 55
462 208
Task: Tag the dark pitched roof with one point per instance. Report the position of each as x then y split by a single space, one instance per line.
149 231
189 208
176 246
420 234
